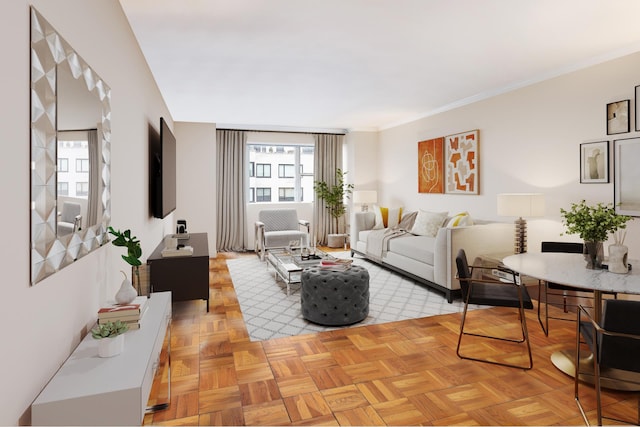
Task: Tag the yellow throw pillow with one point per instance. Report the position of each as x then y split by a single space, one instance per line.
460 220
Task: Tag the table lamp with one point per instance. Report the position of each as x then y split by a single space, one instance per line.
365 197
521 205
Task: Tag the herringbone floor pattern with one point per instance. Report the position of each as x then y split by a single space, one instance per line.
402 373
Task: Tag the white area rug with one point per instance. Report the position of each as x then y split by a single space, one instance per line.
269 313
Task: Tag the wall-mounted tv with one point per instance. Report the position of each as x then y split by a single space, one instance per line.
163 173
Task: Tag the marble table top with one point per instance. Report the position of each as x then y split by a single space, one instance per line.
569 269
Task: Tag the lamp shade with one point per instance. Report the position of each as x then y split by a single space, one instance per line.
521 204
365 196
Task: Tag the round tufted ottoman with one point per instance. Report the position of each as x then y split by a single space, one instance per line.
335 298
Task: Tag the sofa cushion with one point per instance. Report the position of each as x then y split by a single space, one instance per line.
460 220
419 248
427 223
386 217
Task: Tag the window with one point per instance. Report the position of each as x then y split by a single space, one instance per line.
286 171
263 194
82 165
82 189
63 164
63 188
263 170
286 194
292 155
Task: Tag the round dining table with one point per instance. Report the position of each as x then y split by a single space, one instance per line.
570 269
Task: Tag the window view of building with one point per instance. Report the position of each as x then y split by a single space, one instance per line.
73 181
293 181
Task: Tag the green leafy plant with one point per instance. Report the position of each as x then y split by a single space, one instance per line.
593 223
109 330
134 250
334 195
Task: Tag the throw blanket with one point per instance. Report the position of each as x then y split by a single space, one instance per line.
378 241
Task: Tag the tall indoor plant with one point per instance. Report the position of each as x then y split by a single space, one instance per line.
334 195
134 252
593 224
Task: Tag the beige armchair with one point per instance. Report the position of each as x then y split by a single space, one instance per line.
275 228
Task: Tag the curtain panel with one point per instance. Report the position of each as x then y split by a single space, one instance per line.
327 158
231 201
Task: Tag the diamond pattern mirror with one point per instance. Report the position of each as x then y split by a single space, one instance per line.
57 72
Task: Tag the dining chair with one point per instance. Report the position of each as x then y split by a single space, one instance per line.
497 293
614 344
571 296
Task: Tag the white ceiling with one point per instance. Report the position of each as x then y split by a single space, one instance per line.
364 64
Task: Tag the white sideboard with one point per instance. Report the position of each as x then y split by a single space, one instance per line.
90 390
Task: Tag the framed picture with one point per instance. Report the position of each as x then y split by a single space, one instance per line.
627 175
618 117
461 161
430 166
594 162
637 104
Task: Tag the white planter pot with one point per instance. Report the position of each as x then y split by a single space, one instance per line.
335 240
109 347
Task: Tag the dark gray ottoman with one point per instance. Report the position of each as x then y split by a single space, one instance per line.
335 298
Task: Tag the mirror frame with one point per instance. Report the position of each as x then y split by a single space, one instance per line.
49 253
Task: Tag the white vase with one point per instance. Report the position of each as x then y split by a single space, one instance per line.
127 292
112 346
618 259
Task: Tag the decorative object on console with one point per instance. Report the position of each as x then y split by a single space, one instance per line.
430 166
593 224
127 292
627 175
520 205
134 252
333 196
594 162
461 160
618 117
181 227
111 340
364 198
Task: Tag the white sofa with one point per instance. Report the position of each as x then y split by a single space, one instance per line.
431 260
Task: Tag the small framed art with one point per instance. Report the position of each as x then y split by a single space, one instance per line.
618 117
627 175
637 105
594 162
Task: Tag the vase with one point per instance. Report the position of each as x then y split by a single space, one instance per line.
111 346
127 292
594 254
618 259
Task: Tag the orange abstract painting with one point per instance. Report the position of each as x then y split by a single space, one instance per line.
430 166
461 163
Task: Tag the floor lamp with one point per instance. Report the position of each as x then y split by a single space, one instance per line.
520 205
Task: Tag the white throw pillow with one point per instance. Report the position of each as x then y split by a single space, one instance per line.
393 218
379 223
460 220
428 223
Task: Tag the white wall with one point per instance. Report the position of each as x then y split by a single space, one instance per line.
196 171
529 142
46 321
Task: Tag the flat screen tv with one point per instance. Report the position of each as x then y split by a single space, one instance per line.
164 173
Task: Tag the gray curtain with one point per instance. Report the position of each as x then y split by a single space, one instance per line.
327 158
231 200
94 179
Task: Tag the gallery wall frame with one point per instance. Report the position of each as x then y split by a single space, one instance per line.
636 105
430 166
461 162
618 117
626 176
594 162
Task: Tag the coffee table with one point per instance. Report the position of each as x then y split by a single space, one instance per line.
288 265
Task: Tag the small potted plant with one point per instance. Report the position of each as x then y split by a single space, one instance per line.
134 252
593 224
111 340
333 196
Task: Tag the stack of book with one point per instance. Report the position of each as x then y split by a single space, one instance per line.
131 313
336 264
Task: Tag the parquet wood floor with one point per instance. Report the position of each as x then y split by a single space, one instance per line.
401 373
